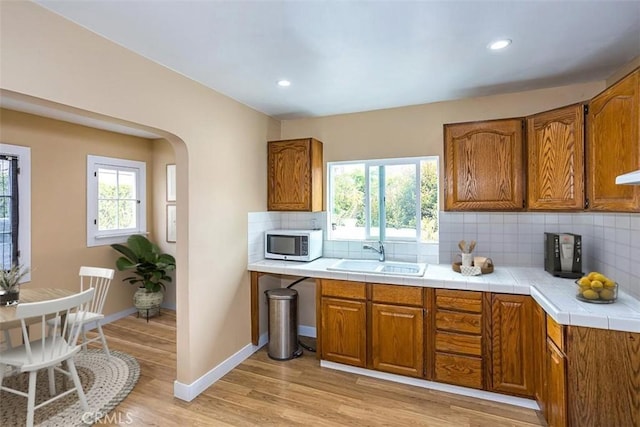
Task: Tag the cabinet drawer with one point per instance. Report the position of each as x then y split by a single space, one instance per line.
458 343
344 289
391 294
555 331
459 370
459 322
469 301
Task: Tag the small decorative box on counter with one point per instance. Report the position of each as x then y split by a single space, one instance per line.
475 269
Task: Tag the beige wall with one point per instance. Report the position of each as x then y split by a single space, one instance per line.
417 130
59 198
163 155
219 149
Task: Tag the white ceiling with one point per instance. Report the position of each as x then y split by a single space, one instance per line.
348 56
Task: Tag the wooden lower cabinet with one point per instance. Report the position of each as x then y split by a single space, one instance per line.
603 377
512 358
343 331
458 338
555 409
459 370
540 355
397 335
503 343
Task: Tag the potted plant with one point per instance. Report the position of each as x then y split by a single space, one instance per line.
150 267
10 284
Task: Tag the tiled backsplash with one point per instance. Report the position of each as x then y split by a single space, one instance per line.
610 242
259 222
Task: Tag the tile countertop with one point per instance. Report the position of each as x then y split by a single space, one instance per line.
555 295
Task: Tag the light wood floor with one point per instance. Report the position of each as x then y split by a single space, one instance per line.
263 392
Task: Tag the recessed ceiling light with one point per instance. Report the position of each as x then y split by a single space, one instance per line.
499 44
284 83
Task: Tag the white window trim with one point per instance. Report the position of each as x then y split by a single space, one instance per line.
24 205
94 237
381 162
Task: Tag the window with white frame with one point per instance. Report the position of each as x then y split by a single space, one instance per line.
389 199
15 206
116 200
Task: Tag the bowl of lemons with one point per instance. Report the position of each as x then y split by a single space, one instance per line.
597 288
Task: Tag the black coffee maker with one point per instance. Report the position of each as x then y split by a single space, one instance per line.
563 255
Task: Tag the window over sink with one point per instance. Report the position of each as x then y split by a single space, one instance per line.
384 199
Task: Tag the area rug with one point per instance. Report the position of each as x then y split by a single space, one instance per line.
105 381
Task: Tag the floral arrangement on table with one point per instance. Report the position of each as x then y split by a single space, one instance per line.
10 283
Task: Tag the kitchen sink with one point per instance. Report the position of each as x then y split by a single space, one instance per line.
379 267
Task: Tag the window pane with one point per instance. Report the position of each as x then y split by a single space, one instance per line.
127 214
400 195
348 214
5 213
374 201
400 201
429 199
107 184
107 215
127 185
117 205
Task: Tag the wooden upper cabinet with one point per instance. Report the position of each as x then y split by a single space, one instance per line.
484 166
555 144
613 146
295 175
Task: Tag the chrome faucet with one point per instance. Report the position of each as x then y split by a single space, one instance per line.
380 250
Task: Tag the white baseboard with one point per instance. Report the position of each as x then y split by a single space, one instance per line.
307 331
188 392
119 315
170 306
464 391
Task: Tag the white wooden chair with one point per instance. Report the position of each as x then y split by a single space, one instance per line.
48 351
99 279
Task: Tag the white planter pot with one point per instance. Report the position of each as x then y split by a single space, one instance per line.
147 303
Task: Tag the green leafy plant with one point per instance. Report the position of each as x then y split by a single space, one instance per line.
145 260
10 279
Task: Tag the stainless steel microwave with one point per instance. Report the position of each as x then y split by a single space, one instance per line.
293 245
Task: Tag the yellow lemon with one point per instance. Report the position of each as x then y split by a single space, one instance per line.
589 294
596 285
607 294
600 277
609 284
584 281
592 275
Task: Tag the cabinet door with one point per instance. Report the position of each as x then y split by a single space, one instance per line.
484 165
344 331
512 343
397 339
295 175
555 174
603 377
614 146
556 374
540 355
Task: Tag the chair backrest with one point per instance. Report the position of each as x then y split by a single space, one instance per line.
98 279
64 336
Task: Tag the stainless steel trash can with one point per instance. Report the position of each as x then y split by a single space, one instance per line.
283 324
